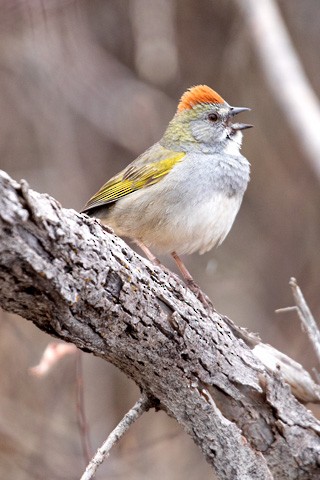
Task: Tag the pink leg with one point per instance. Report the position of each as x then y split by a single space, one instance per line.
183 269
189 280
148 253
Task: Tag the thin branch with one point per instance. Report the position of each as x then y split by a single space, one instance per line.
286 309
140 407
81 414
285 74
306 317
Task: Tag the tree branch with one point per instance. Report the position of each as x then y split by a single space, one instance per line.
76 282
141 406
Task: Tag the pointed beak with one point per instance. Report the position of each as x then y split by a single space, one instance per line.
235 111
241 126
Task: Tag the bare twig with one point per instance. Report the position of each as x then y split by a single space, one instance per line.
140 407
285 74
306 316
81 415
286 309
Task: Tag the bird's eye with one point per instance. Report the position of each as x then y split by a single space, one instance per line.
213 117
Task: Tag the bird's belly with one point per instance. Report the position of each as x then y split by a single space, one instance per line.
201 227
184 227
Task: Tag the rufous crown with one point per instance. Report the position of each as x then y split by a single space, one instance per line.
197 95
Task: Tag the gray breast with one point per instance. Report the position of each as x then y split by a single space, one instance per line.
232 174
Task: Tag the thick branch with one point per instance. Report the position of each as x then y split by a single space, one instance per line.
78 283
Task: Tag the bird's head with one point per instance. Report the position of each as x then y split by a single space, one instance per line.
204 121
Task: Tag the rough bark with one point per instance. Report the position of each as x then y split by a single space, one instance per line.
84 285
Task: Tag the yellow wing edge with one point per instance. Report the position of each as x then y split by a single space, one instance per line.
133 178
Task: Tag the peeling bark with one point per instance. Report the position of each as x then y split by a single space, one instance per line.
84 285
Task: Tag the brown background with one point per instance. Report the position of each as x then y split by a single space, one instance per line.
84 88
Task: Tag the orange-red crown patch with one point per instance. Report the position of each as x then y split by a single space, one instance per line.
196 95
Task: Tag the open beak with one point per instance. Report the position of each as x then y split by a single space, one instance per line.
239 126
235 110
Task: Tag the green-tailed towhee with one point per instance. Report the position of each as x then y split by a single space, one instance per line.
183 194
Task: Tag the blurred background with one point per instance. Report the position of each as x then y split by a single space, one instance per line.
85 86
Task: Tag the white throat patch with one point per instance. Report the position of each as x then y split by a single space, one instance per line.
234 144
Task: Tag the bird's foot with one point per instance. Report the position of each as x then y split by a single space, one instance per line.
194 287
191 284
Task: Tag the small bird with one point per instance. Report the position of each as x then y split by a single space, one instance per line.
183 193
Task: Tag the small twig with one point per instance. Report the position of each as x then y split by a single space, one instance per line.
306 316
140 407
81 416
286 309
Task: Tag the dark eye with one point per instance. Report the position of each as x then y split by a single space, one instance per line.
213 117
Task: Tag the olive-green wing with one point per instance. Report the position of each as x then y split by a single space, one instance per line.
146 170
